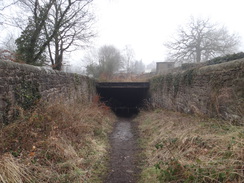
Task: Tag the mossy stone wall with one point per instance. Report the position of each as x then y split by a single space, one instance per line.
22 86
215 90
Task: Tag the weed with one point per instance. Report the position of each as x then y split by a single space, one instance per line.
157 83
169 81
58 142
12 171
159 146
176 84
16 153
183 148
188 77
27 94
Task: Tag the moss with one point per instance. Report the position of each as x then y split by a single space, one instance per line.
156 83
188 77
5 113
225 58
169 81
27 94
176 84
91 84
76 80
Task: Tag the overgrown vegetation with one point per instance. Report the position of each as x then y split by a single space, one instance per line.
226 58
214 61
172 82
27 94
56 143
183 148
186 73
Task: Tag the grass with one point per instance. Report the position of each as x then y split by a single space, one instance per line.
56 143
183 148
12 171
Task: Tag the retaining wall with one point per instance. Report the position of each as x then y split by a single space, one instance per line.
24 85
214 91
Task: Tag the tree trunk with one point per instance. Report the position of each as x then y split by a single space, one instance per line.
198 56
58 54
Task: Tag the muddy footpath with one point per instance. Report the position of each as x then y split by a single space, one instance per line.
124 159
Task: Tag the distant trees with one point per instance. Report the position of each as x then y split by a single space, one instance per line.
201 40
129 59
138 67
53 28
151 66
131 65
109 60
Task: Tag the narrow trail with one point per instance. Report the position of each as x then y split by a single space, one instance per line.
124 151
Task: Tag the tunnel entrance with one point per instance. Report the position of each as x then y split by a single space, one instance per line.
124 98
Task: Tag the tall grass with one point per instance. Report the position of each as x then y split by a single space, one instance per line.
182 148
12 171
56 143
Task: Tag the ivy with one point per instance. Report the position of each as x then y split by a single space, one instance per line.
157 83
188 76
176 83
27 94
226 58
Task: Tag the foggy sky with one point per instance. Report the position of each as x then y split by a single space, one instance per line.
145 25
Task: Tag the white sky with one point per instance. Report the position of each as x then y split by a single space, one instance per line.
146 24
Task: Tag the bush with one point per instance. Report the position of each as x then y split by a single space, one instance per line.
225 58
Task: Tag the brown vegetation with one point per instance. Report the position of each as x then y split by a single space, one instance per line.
56 143
125 77
183 148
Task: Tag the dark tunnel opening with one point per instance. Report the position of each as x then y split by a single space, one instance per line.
125 99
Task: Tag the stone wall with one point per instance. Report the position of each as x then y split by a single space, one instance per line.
21 86
214 91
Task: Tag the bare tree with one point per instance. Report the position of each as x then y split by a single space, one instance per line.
109 61
54 27
9 43
129 60
138 67
7 48
16 13
91 59
72 23
201 40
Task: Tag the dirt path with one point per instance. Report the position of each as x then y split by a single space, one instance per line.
123 155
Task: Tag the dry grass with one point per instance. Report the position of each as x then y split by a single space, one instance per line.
125 77
56 143
12 171
182 148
